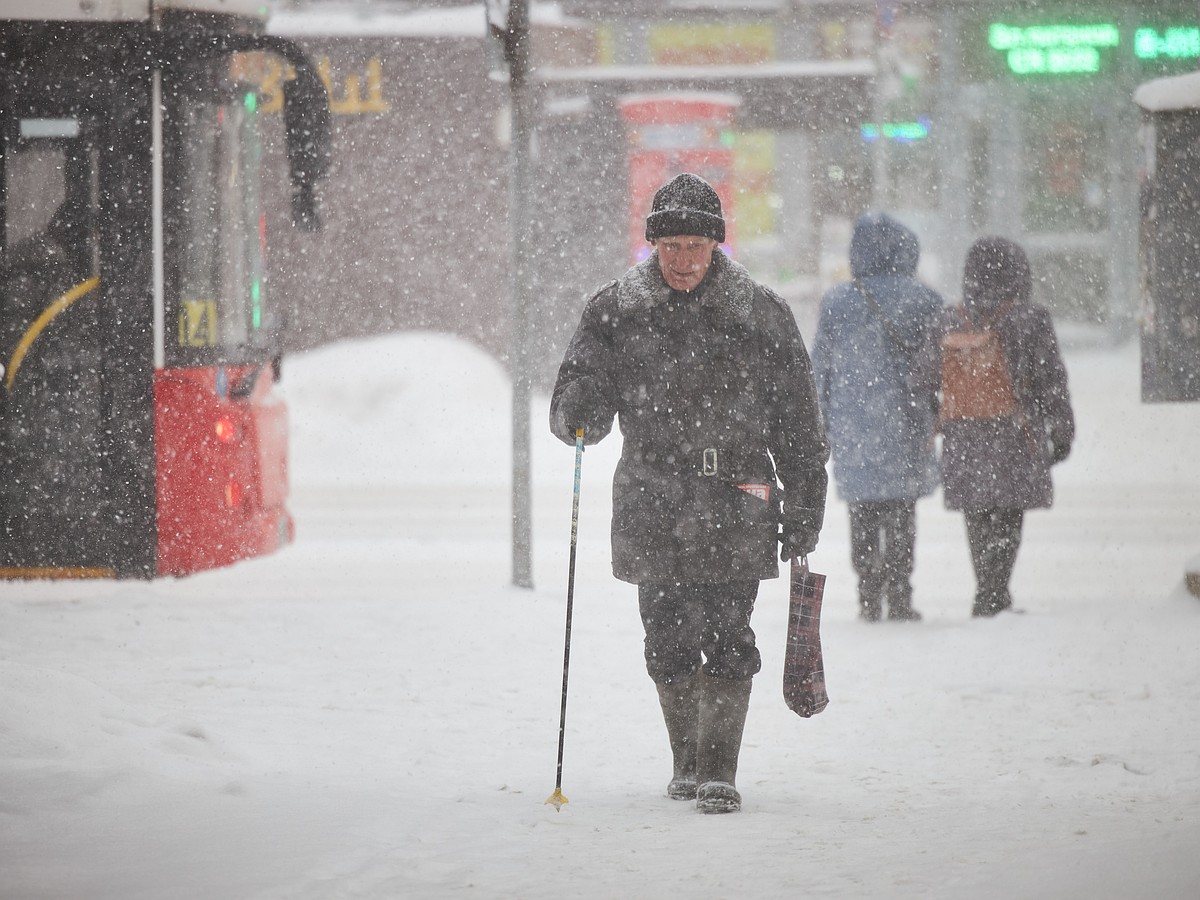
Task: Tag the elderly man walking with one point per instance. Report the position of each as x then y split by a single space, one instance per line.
706 373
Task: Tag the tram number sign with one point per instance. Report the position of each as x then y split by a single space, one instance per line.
198 323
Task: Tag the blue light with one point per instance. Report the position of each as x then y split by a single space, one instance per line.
897 132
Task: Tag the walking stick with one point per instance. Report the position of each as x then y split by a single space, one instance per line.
557 799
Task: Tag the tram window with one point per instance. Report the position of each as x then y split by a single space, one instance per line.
218 241
36 187
51 194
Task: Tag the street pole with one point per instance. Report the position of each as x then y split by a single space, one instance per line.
520 192
880 177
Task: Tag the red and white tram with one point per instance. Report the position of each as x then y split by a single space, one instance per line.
140 433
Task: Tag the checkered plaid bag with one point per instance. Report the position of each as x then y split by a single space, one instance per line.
803 667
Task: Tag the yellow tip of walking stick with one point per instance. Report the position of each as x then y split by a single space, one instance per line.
557 800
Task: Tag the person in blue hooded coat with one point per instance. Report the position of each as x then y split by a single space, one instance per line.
875 361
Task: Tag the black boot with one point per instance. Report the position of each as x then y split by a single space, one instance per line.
994 535
723 705
680 707
990 603
900 608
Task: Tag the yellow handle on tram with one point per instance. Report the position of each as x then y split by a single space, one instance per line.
40 323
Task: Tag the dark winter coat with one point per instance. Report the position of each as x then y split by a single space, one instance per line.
1005 462
877 381
720 372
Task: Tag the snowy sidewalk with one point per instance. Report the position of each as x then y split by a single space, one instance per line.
373 712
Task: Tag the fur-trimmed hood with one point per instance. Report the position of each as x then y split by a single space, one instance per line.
727 287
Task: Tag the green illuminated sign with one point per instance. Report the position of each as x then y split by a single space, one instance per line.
1053 49
1057 49
1048 37
1171 43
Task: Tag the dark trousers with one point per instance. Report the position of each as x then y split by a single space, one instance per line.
994 536
882 535
689 625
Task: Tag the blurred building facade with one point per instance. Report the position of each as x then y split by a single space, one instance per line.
961 118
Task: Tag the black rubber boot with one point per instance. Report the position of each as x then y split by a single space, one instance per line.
680 707
723 705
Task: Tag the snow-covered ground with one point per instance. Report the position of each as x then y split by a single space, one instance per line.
373 712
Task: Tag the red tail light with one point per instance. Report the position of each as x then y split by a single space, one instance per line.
225 429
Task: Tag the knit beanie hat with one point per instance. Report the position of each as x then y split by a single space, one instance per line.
996 271
686 204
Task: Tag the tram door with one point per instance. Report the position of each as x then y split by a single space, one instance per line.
76 415
221 428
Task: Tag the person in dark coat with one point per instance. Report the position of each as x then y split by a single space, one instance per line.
875 360
993 469
711 384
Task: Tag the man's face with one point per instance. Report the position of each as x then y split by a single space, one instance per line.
684 259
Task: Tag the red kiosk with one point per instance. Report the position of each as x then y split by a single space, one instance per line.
673 133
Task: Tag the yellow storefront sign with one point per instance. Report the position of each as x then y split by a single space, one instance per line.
711 45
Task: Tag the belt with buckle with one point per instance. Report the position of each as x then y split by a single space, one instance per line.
710 463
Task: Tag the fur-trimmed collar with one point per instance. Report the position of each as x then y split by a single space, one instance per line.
727 287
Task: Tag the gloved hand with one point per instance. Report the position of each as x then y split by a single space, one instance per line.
801 530
797 543
577 407
1059 448
594 422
